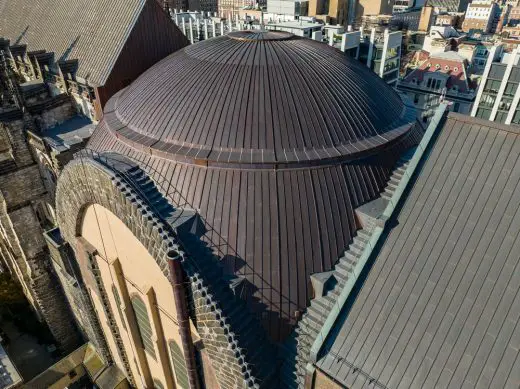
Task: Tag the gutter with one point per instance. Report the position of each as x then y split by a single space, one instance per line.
376 235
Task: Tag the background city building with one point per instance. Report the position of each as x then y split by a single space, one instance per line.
481 15
498 93
440 77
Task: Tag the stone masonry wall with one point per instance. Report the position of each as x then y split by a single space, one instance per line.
16 136
22 186
84 182
22 243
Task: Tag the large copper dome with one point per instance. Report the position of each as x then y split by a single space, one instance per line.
275 140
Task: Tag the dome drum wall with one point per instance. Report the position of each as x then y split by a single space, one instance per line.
275 140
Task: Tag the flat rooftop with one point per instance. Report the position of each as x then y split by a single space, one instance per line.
296 25
67 134
9 376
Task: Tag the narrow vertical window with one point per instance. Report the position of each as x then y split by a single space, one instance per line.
157 384
143 324
179 365
118 303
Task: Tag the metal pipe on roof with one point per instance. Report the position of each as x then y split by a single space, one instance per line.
177 280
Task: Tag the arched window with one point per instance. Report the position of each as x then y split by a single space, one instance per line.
143 324
118 303
179 365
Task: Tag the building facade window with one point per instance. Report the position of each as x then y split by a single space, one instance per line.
492 86
510 89
500 117
157 384
143 324
516 117
179 365
456 107
118 304
487 100
483 113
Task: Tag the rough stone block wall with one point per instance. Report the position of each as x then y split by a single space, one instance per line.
21 191
225 356
16 135
54 308
52 117
83 312
29 233
22 186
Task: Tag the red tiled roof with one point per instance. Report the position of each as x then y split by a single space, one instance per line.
455 68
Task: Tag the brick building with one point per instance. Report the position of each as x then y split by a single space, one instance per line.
480 15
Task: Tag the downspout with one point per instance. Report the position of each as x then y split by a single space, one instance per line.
177 279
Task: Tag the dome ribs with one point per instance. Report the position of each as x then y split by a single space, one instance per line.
242 99
274 142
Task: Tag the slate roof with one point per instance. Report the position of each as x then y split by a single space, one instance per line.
440 308
91 31
275 157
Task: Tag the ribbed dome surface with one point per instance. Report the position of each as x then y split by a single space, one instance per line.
258 97
275 141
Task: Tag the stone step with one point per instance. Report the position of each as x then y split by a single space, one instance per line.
304 330
305 343
317 314
351 257
356 249
362 240
362 233
400 170
344 269
394 180
314 318
392 185
324 303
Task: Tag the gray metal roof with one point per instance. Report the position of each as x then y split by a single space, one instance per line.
91 31
440 307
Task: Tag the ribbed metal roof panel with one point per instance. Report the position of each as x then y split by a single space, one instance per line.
91 31
276 98
440 307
